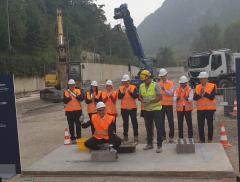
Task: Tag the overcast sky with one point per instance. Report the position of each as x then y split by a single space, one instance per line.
139 8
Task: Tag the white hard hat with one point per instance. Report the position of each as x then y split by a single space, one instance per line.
71 82
203 74
109 82
163 72
94 83
183 79
100 105
125 78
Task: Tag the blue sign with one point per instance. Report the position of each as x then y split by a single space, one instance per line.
9 150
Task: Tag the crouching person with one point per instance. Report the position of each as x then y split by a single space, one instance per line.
104 129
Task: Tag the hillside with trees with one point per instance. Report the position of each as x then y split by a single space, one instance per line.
32 25
184 26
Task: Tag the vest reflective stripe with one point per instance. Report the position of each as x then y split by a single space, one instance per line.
101 126
101 133
182 103
91 108
74 104
205 103
166 99
111 107
150 94
127 101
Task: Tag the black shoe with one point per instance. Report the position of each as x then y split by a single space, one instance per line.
125 138
73 142
135 139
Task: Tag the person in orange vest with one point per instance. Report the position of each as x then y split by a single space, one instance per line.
167 91
73 110
109 97
93 96
103 129
183 97
127 93
206 105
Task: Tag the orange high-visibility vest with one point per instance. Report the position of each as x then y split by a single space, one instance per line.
205 103
111 107
91 108
101 126
74 104
182 102
166 99
127 101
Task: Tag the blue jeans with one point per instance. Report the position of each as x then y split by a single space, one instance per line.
150 117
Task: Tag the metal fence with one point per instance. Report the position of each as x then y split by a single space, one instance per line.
229 95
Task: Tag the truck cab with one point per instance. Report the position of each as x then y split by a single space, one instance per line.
219 64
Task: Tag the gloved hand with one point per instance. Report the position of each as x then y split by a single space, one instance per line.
68 99
86 124
81 119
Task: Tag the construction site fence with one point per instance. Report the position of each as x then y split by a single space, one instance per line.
226 98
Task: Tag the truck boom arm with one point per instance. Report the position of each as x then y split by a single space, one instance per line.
123 13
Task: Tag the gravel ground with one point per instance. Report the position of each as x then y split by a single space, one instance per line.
41 128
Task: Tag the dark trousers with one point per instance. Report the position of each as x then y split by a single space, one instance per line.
114 124
73 119
94 143
150 117
125 116
188 117
168 111
92 127
201 116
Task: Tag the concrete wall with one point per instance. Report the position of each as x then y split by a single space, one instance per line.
175 69
98 72
31 84
101 72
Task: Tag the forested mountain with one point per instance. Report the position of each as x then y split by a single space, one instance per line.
177 23
33 39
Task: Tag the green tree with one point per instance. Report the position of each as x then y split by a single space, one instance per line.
232 36
165 57
33 36
209 37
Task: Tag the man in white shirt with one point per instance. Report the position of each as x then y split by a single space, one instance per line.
183 97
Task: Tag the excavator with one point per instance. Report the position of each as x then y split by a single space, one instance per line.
65 68
145 63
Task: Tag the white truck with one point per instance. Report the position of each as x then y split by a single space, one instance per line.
219 64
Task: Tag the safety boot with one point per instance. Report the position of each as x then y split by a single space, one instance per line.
148 147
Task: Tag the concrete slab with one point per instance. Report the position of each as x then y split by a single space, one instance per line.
209 161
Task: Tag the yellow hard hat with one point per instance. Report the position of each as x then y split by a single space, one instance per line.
144 75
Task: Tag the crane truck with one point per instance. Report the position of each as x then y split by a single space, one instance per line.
219 64
145 63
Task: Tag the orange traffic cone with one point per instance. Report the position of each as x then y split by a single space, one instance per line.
234 113
223 137
67 140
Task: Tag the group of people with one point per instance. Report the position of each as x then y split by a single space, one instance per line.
157 101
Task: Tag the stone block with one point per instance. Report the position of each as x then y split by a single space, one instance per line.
104 155
128 147
185 146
